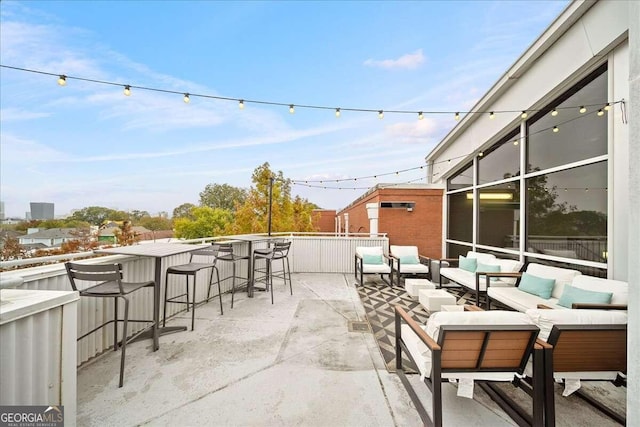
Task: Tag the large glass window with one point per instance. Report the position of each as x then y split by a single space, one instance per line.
579 135
567 213
501 161
499 215
460 217
462 179
455 250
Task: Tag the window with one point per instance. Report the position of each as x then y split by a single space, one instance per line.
501 161
462 179
499 215
460 217
567 213
580 136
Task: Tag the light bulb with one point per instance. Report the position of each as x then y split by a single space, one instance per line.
127 90
555 129
241 104
62 80
600 112
480 154
291 109
492 115
607 107
381 114
186 98
515 142
337 112
420 116
524 115
583 109
554 112
457 116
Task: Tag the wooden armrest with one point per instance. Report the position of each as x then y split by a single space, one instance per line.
592 306
543 344
544 307
424 257
472 307
449 259
500 274
426 339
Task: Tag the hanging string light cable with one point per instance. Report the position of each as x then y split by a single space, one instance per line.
242 101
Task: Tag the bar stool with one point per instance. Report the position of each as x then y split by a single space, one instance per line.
226 254
200 259
279 251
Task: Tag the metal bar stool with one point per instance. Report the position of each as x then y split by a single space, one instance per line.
200 259
109 285
279 251
226 254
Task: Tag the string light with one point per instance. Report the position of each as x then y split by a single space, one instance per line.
583 109
380 114
524 114
516 142
186 98
291 109
554 112
607 107
241 104
127 90
480 154
555 129
492 115
337 112
420 115
457 117
600 112
62 80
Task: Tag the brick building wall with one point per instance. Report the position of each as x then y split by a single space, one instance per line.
324 220
421 227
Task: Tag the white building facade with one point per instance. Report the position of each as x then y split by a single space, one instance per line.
542 168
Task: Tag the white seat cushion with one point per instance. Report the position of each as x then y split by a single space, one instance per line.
482 257
519 300
376 268
422 355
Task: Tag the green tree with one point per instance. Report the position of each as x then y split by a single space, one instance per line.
206 222
223 196
137 215
156 223
184 211
97 215
286 214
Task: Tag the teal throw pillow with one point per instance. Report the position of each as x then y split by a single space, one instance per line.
571 294
372 259
468 264
409 259
535 285
488 268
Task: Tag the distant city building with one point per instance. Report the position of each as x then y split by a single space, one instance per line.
42 210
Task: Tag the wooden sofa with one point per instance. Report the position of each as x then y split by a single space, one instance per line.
515 298
479 346
475 281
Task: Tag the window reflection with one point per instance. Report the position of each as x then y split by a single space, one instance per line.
462 179
460 217
502 161
499 215
567 213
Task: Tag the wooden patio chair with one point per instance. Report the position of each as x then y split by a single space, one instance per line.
471 345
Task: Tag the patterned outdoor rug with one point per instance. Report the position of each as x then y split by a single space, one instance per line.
379 299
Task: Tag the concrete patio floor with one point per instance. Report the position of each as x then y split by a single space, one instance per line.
291 363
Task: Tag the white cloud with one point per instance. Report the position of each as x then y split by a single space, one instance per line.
415 131
15 114
409 61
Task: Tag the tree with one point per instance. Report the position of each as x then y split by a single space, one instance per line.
286 214
97 215
223 196
156 223
206 222
184 211
12 249
137 215
125 235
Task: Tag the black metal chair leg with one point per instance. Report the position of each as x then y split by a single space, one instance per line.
164 309
219 288
124 339
187 291
233 282
115 324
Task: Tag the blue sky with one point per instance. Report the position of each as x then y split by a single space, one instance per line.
86 144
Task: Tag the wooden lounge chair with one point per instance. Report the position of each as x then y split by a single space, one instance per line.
588 345
473 345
